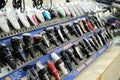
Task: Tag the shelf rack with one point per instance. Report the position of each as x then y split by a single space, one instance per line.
19 73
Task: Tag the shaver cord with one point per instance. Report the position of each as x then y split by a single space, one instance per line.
19 4
39 4
3 3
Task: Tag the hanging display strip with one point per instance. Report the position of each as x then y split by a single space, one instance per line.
19 73
85 64
6 38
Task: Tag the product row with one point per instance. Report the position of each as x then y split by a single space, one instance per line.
67 59
13 19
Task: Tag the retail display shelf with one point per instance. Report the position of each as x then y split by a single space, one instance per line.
19 73
75 37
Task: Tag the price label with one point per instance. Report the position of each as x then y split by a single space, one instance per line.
67 46
89 61
81 67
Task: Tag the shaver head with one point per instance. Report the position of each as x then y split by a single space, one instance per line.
53 13
56 28
27 38
39 65
55 57
69 27
37 38
61 26
75 22
2 46
49 29
68 24
15 41
27 68
64 55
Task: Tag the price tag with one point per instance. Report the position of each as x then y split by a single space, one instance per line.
67 46
81 67
89 61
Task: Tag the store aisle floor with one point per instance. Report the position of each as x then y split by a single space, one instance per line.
94 71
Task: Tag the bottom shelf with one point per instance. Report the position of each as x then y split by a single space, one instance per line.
17 75
85 64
